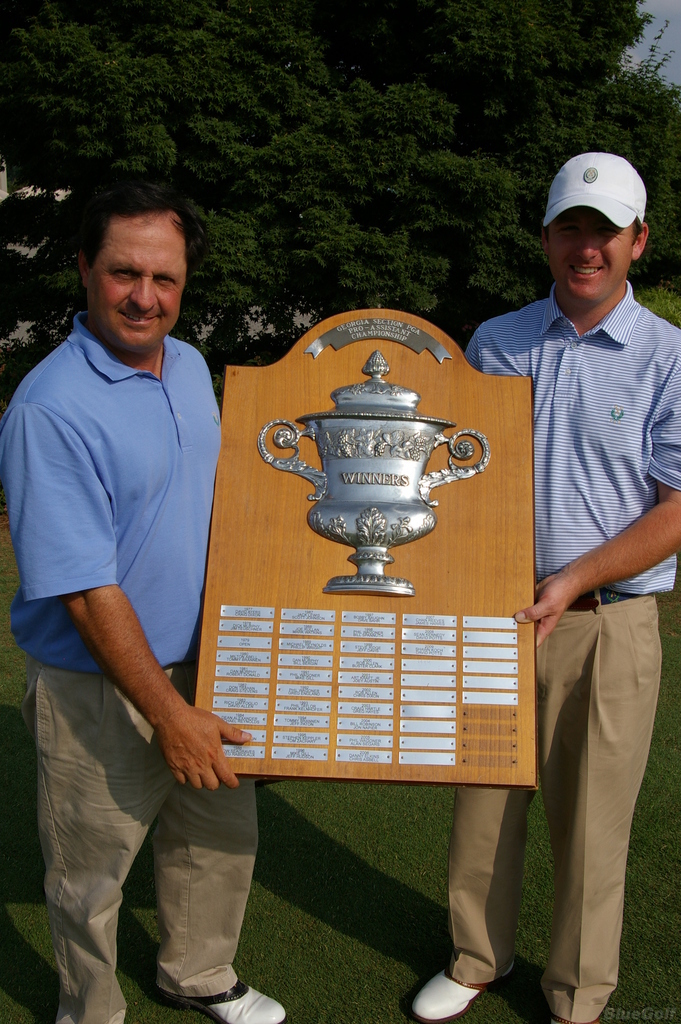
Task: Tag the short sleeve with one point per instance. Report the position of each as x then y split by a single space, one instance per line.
665 462
59 511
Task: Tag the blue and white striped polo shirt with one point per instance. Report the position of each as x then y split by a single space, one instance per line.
607 422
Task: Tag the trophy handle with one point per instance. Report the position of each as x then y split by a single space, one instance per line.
457 450
288 436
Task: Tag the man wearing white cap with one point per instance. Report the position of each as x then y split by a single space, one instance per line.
607 393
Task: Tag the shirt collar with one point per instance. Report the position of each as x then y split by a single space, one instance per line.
618 324
103 359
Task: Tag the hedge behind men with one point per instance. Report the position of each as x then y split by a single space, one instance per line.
108 453
607 393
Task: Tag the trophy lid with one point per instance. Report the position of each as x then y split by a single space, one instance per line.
375 396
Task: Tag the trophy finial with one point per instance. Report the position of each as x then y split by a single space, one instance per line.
376 366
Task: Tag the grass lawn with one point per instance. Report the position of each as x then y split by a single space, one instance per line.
347 915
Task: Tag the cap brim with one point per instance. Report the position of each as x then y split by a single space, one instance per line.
620 215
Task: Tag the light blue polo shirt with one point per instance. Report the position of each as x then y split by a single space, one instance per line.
607 422
109 476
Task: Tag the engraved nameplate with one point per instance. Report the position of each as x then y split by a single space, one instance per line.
375 756
245 643
429 620
366 678
301 675
423 680
305 660
303 644
369 618
313 706
242 672
427 665
233 751
491 667
429 650
242 720
421 757
429 696
299 754
352 647
365 692
365 709
245 611
491 682
487 622
366 724
368 632
476 697
296 690
363 740
430 635
429 726
504 653
308 739
427 743
245 657
245 626
257 736
253 688
242 703
368 663
301 722
308 615
415 711
476 637
305 629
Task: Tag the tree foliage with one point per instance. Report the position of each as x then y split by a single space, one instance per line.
361 153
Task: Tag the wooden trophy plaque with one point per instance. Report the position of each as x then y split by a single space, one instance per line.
368 550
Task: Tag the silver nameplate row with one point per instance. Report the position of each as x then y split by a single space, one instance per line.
476 637
491 682
422 680
368 632
369 618
245 611
303 644
429 650
363 740
312 706
242 672
365 756
245 657
429 727
299 754
256 689
296 690
366 664
305 629
242 721
431 711
421 757
443 621
366 678
242 703
232 751
429 696
307 739
305 660
257 736
488 622
365 692
430 635
365 724
352 647
492 667
307 615
301 722
245 626
245 643
427 665
365 709
473 697
427 743
503 653
300 675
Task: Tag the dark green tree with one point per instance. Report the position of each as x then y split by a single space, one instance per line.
360 153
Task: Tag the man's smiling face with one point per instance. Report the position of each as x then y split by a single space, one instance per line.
589 257
134 287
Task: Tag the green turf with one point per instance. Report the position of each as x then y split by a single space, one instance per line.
663 301
347 915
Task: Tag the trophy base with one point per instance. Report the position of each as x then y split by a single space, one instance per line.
389 586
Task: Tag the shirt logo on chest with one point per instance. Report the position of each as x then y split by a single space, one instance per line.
216 421
616 414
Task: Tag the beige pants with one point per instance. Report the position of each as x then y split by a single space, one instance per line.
598 680
101 782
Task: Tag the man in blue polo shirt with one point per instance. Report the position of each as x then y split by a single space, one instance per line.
108 453
607 428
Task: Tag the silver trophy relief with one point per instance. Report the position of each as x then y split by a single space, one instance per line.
372 492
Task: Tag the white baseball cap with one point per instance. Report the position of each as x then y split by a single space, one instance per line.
603 181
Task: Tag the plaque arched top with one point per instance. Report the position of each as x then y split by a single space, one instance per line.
366 325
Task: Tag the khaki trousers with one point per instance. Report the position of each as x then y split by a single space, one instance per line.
598 681
101 782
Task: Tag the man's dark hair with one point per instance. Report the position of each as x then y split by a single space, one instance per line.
135 198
